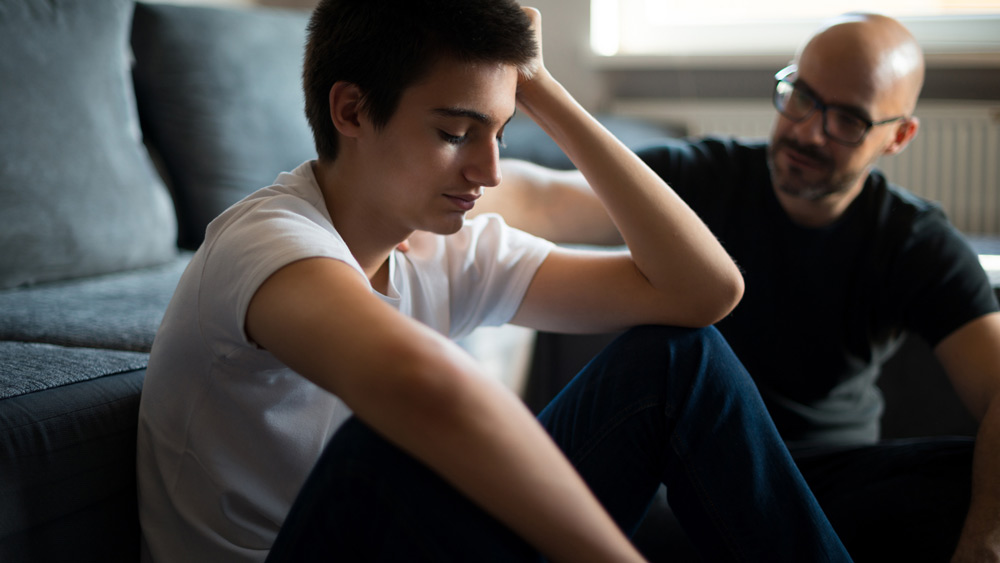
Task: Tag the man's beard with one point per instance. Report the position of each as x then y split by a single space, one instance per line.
790 181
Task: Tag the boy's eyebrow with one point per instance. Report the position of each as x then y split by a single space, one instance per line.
471 114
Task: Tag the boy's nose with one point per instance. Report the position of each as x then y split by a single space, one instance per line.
484 166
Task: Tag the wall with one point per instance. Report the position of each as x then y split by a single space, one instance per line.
566 48
566 25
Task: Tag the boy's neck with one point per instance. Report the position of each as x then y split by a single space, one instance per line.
355 224
380 280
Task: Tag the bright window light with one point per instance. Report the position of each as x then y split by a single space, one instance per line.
683 28
604 27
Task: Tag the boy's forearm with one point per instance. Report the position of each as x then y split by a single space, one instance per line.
480 438
425 394
669 243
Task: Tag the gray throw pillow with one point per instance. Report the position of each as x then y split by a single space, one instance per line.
220 99
78 194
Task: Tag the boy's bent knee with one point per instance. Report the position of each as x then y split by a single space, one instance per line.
660 337
684 353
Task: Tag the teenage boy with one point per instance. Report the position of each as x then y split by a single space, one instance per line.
304 356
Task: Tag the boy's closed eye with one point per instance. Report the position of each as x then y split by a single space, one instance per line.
459 139
453 139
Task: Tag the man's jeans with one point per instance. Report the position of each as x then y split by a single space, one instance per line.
659 405
898 500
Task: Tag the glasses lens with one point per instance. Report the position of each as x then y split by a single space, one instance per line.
845 126
797 104
792 102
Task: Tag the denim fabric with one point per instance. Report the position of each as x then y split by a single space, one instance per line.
658 405
367 500
898 500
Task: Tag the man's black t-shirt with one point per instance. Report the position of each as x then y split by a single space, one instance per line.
824 308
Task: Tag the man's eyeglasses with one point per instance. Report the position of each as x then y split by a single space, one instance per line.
840 124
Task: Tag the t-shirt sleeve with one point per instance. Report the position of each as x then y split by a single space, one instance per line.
946 286
677 161
710 174
490 266
247 249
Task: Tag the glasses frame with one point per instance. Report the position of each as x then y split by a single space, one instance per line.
781 77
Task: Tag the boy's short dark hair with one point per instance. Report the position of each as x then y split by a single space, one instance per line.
384 46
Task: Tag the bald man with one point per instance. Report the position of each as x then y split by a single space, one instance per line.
839 265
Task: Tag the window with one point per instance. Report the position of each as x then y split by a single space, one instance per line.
703 29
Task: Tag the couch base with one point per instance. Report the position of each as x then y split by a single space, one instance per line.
67 472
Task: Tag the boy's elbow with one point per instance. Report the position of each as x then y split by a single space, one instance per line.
716 304
731 294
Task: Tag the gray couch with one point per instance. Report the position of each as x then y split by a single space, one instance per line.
120 138
94 240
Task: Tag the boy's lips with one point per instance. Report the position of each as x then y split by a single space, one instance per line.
465 202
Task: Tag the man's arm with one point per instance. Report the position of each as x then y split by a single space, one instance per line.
971 358
424 394
557 205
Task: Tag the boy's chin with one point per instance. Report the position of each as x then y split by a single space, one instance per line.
448 227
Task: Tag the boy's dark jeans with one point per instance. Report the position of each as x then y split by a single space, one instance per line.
657 405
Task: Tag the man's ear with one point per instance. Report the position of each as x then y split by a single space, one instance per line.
345 108
906 130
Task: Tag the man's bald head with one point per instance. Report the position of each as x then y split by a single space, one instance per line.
876 48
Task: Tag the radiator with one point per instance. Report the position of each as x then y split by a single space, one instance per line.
954 160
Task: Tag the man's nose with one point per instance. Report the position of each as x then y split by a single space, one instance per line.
810 130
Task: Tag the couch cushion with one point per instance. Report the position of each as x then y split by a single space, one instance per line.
225 116
67 454
78 194
30 367
118 311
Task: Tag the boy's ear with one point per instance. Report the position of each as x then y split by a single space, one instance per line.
345 108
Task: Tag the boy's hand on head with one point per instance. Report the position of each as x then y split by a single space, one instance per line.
531 70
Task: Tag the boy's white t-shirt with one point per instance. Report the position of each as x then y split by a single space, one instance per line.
227 433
